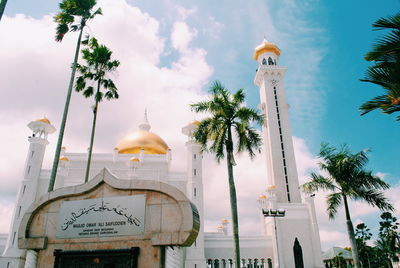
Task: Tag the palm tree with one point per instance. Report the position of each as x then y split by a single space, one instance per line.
228 117
386 70
3 4
347 179
99 64
65 19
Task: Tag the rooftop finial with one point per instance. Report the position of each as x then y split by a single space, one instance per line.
145 116
145 125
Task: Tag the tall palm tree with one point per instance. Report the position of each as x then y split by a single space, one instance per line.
98 66
3 4
347 179
386 69
228 117
65 19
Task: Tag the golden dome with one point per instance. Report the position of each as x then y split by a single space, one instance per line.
220 227
134 159
64 158
224 221
262 196
44 120
195 122
142 139
266 47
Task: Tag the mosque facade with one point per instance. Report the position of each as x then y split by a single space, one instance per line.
169 204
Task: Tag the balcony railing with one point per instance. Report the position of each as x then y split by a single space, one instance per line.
245 263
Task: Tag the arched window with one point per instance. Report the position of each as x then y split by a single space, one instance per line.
264 62
270 61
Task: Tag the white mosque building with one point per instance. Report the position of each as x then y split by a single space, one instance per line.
290 237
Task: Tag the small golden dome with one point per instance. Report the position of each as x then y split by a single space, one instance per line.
195 122
64 158
220 227
44 120
224 220
271 187
142 139
266 47
134 159
262 196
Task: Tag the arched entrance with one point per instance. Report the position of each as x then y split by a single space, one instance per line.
298 254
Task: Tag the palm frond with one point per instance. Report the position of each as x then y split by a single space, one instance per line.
391 22
228 114
373 197
333 201
88 92
319 182
250 115
71 9
248 139
61 30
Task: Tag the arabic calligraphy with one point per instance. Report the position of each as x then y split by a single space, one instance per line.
104 206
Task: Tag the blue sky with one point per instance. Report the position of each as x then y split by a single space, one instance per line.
322 43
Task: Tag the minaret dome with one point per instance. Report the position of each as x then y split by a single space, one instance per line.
266 53
142 139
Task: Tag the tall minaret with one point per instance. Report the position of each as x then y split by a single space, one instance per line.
29 190
281 163
194 191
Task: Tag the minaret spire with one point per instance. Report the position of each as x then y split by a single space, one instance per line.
29 189
145 124
281 164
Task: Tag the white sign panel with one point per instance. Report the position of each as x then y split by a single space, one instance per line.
109 216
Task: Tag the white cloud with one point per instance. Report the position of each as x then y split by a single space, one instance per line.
213 28
35 75
184 13
6 212
181 36
333 238
302 42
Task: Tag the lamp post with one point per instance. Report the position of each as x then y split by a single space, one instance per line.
268 207
275 213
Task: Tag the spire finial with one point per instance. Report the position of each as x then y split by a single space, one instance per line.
145 116
145 125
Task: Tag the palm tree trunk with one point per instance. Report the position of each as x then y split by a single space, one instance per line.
352 237
92 135
232 195
3 4
65 114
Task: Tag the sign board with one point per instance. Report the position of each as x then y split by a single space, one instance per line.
108 216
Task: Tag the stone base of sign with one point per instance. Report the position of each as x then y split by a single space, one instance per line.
170 220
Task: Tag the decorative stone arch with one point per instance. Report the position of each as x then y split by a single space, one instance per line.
170 219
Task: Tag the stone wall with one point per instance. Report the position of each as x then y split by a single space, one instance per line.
170 219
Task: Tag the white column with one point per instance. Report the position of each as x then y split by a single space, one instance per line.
31 259
194 191
316 241
29 187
